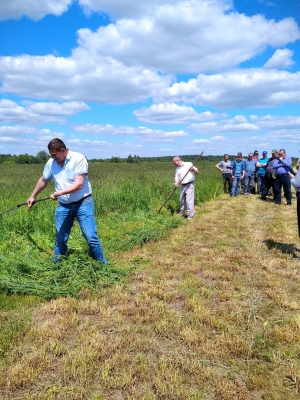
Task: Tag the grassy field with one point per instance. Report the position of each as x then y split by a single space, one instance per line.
126 197
209 310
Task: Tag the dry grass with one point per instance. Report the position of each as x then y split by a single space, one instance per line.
211 312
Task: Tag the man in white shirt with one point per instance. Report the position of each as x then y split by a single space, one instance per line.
185 177
69 171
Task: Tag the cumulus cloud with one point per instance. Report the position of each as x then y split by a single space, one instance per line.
23 130
122 9
34 9
237 125
36 113
188 37
243 88
275 122
81 77
171 113
280 59
142 133
134 59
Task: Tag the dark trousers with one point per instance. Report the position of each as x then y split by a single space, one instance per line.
269 183
284 181
298 211
227 180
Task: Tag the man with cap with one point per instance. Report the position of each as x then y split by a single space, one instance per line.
255 155
262 166
269 175
282 165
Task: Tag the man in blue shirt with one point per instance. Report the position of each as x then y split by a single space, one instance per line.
69 171
262 166
282 166
250 166
237 172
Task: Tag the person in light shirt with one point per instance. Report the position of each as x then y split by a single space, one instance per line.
224 167
295 181
185 177
69 171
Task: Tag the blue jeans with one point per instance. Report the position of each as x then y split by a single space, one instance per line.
248 183
64 219
236 186
261 183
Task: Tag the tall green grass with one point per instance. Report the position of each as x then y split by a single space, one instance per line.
127 197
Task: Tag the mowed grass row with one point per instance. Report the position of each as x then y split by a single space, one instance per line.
127 197
210 312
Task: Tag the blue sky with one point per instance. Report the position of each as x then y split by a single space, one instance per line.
150 77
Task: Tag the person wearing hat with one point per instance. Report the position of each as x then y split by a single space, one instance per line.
269 175
282 165
262 166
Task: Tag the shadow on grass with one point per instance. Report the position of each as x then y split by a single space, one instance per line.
285 248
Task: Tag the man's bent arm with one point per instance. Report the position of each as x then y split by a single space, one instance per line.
79 179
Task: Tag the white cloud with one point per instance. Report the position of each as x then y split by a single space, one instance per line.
274 122
171 113
242 88
23 130
201 141
36 113
237 125
141 133
122 62
188 37
34 9
117 9
79 78
280 59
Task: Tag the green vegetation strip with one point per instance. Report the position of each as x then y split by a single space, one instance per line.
127 197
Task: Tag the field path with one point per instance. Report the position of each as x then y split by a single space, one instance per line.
210 312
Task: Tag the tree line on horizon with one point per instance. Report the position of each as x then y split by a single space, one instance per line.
42 157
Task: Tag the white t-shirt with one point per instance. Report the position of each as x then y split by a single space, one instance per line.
181 171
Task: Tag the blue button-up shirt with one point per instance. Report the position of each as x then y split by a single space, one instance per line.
282 166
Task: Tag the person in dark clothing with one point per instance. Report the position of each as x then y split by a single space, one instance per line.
282 165
270 176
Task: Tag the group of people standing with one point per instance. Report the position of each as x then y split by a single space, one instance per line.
274 173
264 172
